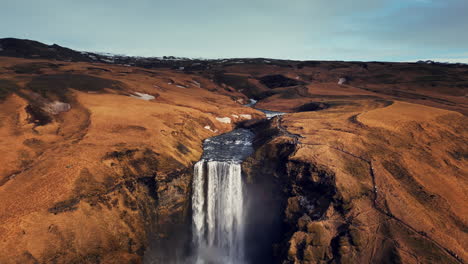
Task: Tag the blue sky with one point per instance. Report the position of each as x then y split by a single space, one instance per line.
389 30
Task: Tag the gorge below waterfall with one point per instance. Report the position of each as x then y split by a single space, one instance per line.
233 212
218 197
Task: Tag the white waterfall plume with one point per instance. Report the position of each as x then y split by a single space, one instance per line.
218 199
218 216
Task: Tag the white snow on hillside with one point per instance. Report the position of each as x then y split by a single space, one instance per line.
143 96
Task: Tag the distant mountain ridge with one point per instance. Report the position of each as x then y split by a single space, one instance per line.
31 49
24 48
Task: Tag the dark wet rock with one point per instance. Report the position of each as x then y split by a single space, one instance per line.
237 146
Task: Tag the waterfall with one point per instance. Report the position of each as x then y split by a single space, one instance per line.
218 212
218 199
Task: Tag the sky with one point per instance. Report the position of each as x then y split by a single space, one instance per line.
364 30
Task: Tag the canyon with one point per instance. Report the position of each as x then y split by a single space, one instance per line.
114 159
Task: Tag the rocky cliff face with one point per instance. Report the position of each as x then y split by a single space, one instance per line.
335 198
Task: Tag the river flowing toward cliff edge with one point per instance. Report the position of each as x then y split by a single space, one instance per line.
218 199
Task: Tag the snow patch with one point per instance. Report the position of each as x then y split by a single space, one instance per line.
246 116
235 116
108 60
209 128
270 114
196 84
225 120
143 96
342 81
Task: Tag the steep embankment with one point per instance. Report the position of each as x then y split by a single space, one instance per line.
367 181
